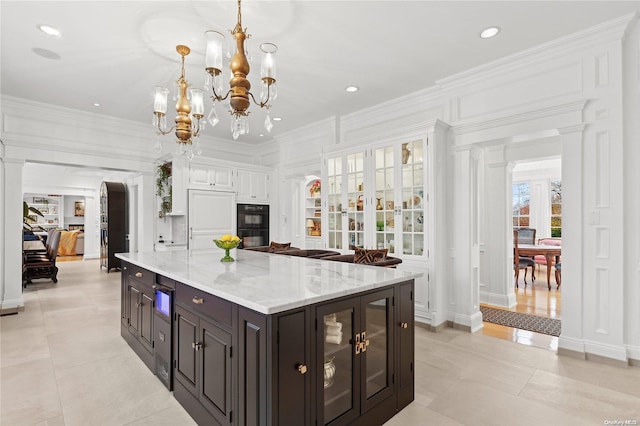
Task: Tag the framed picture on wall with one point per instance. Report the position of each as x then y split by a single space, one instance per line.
79 208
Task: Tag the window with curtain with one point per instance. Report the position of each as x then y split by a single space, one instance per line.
521 204
556 208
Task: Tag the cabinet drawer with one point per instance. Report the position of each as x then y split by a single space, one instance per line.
140 274
204 303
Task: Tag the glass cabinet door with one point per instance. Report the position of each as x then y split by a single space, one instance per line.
356 199
413 202
385 198
337 397
376 355
334 203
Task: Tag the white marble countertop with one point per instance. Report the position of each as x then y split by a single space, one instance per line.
264 282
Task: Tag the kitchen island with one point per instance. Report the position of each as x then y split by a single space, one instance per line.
272 339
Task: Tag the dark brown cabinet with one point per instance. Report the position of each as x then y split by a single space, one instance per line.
203 350
346 361
138 311
112 223
355 346
203 362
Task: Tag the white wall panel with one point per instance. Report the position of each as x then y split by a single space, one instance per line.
536 87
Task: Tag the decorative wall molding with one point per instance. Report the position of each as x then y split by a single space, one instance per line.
530 113
514 91
609 31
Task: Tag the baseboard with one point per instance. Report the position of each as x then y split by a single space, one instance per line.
9 311
435 329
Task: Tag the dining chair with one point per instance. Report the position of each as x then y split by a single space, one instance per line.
542 260
526 235
558 274
521 262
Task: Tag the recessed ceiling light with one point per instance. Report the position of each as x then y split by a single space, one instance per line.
261 134
489 32
277 119
352 89
50 31
46 53
96 104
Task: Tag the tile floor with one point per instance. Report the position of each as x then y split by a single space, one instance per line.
63 362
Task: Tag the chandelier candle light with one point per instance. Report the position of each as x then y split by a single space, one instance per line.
190 111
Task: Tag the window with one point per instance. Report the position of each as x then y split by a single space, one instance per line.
521 202
556 208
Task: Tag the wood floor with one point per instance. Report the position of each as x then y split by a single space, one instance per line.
536 300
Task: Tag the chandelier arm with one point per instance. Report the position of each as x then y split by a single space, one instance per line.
260 104
163 132
217 97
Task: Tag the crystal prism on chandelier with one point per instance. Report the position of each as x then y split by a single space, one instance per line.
189 121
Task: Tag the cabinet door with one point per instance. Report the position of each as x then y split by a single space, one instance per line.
376 353
215 370
252 186
406 344
337 384
293 395
333 229
356 200
133 315
186 338
146 317
203 176
211 215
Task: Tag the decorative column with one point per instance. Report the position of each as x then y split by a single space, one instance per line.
464 302
496 250
11 261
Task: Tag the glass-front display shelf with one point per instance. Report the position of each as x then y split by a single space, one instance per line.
343 354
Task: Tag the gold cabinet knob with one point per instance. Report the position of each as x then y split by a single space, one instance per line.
302 369
404 325
138 274
197 300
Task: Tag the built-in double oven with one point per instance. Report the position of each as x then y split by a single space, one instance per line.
253 225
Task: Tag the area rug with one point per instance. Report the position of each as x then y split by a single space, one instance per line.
533 323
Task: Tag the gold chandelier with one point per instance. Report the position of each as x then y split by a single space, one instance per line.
190 105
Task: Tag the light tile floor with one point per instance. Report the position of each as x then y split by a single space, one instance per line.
63 362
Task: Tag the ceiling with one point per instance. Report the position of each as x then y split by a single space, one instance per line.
114 52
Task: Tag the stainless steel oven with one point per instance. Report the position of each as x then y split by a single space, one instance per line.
253 225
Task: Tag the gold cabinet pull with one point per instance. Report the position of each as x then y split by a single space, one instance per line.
196 345
138 274
302 369
365 341
358 344
404 325
197 300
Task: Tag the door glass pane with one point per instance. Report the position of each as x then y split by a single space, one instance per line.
413 200
338 364
355 195
334 203
376 345
385 218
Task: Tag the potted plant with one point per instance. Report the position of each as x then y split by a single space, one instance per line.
27 218
163 187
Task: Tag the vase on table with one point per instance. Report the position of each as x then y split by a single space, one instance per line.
227 246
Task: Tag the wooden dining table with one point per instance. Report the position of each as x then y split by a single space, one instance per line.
549 252
34 245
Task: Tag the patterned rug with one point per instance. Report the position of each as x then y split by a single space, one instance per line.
533 323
